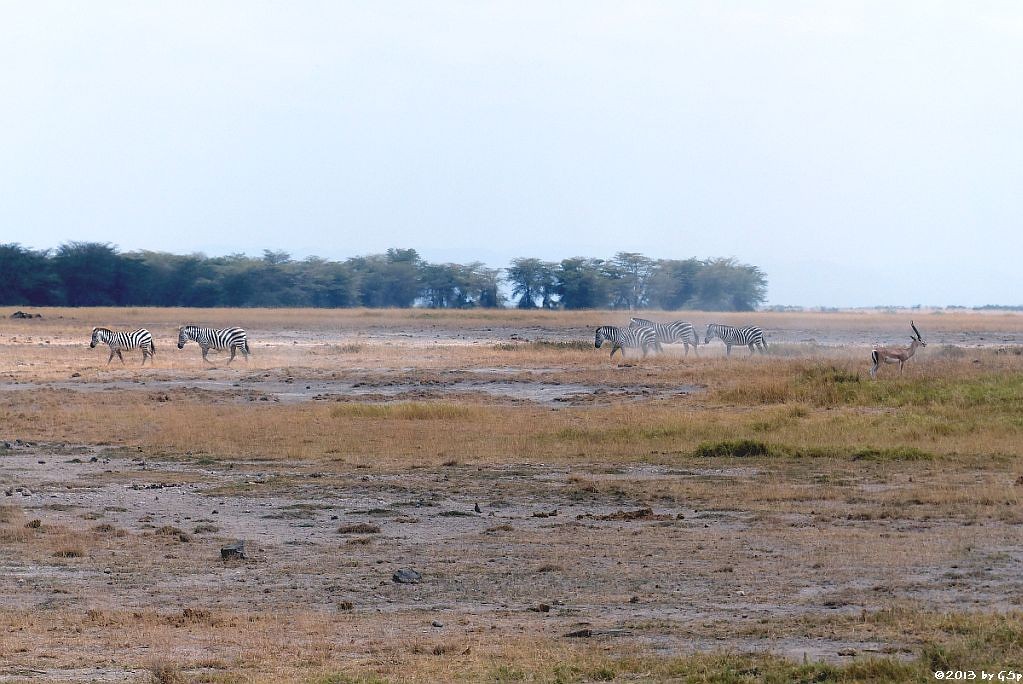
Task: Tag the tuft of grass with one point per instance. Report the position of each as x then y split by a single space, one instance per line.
902 453
359 528
166 672
402 411
736 448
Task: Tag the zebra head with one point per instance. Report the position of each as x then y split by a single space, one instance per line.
599 338
709 335
97 337
182 337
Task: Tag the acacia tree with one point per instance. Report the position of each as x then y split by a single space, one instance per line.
628 273
726 285
581 283
672 283
531 279
26 277
92 274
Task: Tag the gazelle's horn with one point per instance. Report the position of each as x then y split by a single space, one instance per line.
912 325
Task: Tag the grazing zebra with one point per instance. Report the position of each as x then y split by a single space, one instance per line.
676 332
750 336
138 339
233 339
631 338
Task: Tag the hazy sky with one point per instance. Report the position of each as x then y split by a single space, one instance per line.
860 153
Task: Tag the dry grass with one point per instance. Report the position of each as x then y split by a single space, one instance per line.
895 500
304 648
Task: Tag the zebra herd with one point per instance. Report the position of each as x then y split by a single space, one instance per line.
648 336
220 339
641 334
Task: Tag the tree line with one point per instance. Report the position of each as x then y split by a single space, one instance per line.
97 274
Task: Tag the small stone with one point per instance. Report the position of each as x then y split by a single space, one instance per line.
406 576
437 623
233 551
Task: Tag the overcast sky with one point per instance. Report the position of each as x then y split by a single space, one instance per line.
860 153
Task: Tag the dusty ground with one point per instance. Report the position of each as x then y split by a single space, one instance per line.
112 525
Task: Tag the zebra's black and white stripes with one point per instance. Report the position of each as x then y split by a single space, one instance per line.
749 336
676 332
118 341
233 339
644 339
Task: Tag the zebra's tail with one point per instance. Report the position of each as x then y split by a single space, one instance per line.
152 347
247 346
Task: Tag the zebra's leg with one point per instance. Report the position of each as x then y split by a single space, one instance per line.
111 357
728 349
234 350
752 348
120 356
873 369
205 351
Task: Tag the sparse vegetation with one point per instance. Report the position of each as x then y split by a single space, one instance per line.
873 512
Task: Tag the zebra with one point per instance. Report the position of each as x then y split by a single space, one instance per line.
676 332
750 336
233 339
631 338
137 339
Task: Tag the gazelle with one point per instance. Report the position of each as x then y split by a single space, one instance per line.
898 355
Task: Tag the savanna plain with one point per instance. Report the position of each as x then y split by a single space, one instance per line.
567 517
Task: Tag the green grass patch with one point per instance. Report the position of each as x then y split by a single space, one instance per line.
737 448
751 448
902 453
